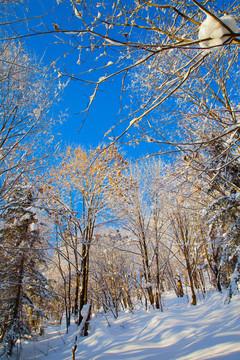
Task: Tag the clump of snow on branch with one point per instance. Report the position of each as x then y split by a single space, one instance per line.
213 29
78 13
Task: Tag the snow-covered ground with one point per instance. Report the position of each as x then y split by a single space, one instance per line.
210 330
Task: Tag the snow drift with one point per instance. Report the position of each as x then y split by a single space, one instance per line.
210 330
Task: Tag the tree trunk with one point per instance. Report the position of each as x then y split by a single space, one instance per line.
84 287
146 270
194 299
76 296
18 305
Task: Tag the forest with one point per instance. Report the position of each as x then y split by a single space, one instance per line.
85 230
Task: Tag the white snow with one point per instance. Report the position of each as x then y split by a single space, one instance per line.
211 28
78 13
33 227
210 330
37 112
132 121
112 42
25 217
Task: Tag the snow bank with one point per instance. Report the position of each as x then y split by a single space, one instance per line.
211 28
210 330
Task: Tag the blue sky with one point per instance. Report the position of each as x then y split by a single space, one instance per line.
76 95
104 112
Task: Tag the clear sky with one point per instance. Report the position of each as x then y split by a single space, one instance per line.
104 112
75 97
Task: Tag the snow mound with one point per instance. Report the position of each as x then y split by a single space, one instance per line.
210 330
211 28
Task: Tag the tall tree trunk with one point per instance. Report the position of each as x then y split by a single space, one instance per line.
146 270
84 282
76 295
18 305
189 271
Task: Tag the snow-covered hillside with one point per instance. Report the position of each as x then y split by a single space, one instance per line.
210 330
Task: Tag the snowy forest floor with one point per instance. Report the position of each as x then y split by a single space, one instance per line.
210 330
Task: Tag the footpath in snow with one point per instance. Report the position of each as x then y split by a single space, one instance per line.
210 330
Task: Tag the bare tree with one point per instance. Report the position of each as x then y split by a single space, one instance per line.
141 209
26 95
111 282
155 47
79 196
158 47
